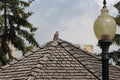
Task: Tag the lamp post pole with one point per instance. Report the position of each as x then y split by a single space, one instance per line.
105 58
105 29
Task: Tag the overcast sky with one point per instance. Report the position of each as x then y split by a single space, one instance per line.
73 19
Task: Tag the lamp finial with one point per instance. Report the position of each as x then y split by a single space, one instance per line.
104 2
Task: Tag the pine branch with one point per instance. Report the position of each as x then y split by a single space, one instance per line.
21 45
116 39
29 37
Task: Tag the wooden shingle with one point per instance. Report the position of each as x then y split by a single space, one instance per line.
57 60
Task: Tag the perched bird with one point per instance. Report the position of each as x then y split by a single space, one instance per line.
56 35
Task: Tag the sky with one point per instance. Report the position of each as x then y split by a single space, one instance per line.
73 19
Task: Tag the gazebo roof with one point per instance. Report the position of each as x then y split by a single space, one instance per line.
57 60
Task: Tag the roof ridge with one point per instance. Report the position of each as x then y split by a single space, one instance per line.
33 72
25 55
66 55
45 45
31 77
89 54
60 40
79 62
50 44
39 65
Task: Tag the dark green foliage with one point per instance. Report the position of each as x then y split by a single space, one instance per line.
116 39
15 27
117 18
115 55
117 6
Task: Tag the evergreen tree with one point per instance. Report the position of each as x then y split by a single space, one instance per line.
115 55
117 19
15 27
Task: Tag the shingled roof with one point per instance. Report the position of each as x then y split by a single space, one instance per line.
57 60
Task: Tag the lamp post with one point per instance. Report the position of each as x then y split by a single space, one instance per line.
104 29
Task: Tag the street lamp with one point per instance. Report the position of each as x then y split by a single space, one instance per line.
104 29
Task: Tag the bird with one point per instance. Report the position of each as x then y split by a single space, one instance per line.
56 35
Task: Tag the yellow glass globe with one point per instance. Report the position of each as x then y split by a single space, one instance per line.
105 25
